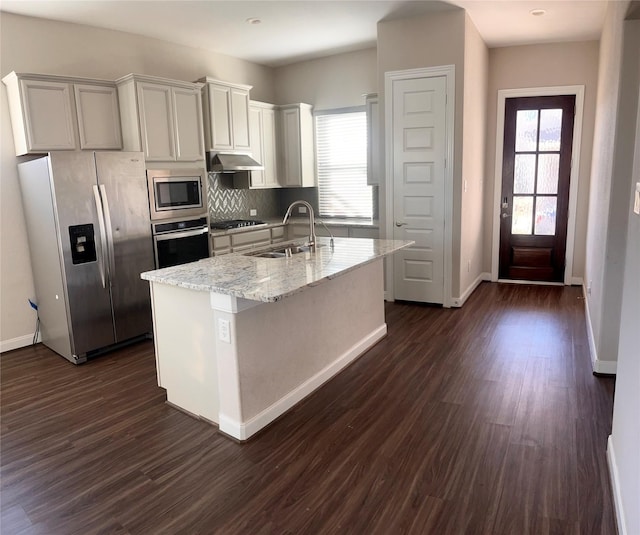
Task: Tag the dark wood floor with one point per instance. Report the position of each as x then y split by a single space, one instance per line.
485 419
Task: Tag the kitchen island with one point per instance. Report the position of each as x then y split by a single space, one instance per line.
241 338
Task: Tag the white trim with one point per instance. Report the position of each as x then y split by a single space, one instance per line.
459 301
608 367
231 303
531 283
503 94
448 71
615 485
577 281
17 343
244 430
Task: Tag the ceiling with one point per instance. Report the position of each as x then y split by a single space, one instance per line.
297 30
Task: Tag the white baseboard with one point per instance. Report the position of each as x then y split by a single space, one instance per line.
457 302
577 281
243 430
607 367
615 486
17 343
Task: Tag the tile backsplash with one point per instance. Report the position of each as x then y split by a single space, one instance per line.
227 202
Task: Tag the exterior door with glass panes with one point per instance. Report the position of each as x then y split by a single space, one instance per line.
536 168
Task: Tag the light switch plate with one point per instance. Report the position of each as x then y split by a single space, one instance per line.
636 200
253 211
224 330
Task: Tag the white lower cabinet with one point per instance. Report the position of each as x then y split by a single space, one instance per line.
246 240
251 239
278 235
301 230
255 239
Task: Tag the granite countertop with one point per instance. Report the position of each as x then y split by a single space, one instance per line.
277 222
272 279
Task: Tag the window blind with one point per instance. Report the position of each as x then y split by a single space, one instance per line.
341 156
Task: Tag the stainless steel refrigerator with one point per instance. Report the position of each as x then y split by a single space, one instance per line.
87 216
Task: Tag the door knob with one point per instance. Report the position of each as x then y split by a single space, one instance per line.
398 224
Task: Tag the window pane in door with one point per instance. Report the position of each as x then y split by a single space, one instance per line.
526 130
548 168
550 127
545 216
522 215
524 174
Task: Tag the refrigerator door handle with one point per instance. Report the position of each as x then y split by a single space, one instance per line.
107 218
103 236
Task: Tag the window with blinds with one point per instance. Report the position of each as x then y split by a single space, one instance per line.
341 156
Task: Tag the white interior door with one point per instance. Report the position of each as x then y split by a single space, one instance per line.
419 150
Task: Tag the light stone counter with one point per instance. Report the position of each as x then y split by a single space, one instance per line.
271 279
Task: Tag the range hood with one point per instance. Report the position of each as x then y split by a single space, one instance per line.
230 162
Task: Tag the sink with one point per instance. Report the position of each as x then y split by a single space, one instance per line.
281 252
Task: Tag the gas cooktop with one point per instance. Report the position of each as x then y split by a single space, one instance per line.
235 223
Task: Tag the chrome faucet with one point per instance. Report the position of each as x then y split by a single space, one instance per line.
312 222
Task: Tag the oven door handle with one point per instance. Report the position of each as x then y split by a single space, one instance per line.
181 234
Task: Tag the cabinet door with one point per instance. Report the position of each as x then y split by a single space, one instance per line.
256 145
156 122
361 232
187 118
98 117
240 119
220 117
269 148
291 147
48 115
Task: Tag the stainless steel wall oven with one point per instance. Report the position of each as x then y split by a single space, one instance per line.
180 242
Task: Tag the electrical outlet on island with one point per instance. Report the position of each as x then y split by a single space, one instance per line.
253 212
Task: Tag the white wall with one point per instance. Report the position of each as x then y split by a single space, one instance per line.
604 251
338 81
625 437
43 46
624 445
545 65
476 79
428 41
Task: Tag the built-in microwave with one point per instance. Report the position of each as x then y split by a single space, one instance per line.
176 193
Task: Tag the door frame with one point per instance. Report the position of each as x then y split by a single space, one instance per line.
448 71
503 94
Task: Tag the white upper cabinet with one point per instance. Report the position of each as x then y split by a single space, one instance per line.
226 116
296 149
262 137
187 106
270 162
374 153
157 130
162 118
61 113
98 116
